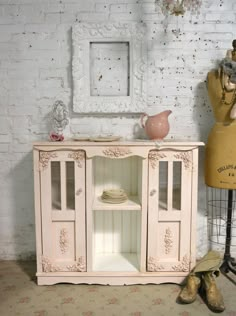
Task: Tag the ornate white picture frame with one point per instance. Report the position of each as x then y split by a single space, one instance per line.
131 35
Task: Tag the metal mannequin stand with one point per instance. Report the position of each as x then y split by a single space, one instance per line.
221 206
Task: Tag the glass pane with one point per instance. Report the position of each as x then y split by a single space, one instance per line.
163 180
56 185
70 185
177 168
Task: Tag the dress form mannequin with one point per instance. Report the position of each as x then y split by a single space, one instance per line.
220 160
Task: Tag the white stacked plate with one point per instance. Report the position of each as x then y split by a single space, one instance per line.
114 196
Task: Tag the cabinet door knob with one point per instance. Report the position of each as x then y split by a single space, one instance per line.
78 191
154 191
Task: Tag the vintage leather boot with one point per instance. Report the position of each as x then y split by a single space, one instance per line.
211 293
189 292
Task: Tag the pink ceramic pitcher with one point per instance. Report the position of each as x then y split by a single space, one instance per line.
156 126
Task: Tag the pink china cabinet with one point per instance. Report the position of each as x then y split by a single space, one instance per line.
149 238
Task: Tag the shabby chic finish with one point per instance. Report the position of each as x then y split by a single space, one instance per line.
150 238
86 34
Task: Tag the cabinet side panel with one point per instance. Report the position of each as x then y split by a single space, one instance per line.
80 209
142 220
37 205
194 195
153 204
89 213
46 203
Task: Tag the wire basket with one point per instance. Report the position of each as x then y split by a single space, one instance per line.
218 204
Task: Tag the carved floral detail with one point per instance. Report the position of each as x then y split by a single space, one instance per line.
186 157
154 157
80 265
63 240
44 158
153 265
78 156
89 30
168 240
116 152
48 266
183 266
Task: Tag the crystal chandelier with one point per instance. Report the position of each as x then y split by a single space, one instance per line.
179 7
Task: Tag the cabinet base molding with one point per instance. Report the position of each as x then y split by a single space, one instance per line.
122 279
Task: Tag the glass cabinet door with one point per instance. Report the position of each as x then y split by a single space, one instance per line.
169 211
62 181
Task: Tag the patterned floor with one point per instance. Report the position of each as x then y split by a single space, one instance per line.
19 295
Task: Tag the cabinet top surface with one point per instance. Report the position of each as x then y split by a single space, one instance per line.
136 143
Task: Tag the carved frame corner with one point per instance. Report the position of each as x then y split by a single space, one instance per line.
83 34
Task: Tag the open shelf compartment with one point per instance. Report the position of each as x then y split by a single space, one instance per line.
125 173
116 240
117 227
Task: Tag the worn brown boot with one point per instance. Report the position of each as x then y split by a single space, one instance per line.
211 293
189 292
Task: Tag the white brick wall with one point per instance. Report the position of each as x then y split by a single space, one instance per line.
35 70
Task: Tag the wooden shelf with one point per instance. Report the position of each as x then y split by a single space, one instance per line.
132 204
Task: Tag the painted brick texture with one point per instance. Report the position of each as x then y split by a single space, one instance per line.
35 71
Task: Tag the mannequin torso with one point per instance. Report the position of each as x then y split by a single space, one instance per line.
220 160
